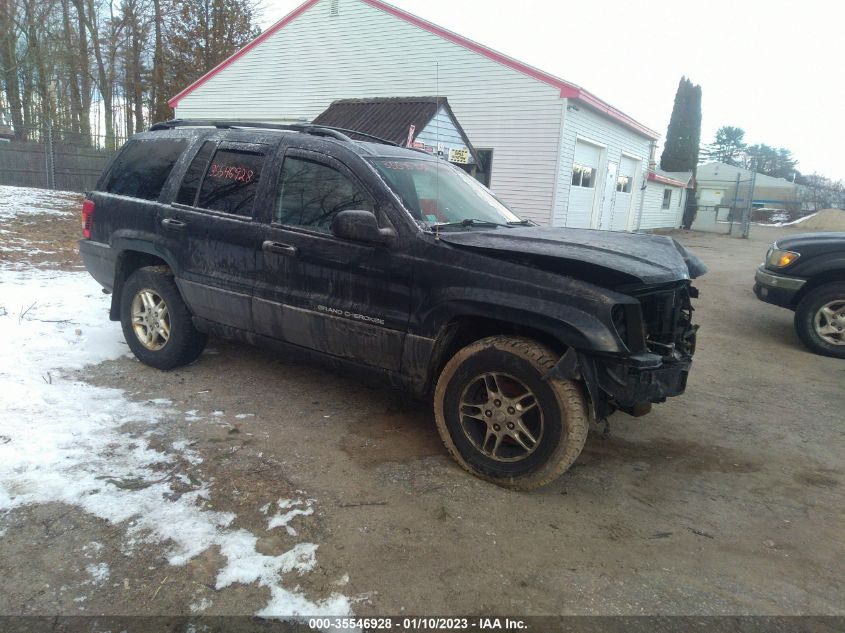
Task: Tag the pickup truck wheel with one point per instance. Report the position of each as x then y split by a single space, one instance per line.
502 420
820 320
156 322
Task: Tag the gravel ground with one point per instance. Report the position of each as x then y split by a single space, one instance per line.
727 500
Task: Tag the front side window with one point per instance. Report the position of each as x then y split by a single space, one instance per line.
143 166
231 181
583 176
311 194
436 192
667 198
623 184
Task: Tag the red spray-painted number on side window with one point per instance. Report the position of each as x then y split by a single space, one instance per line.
232 172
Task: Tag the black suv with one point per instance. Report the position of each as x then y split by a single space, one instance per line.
390 260
806 273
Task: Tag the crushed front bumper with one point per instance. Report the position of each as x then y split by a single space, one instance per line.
629 384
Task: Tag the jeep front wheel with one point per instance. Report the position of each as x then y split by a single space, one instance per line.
156 322
502 420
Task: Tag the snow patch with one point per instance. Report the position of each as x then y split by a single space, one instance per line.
67 443
191 456
200 605
99 573
15 201
282 519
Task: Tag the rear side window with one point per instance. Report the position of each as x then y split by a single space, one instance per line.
143 166
231 181
193 177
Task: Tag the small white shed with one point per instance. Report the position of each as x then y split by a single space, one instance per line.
664 199
555 152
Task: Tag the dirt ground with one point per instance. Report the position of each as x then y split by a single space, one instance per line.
727 500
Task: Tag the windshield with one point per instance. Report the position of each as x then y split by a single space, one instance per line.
437 193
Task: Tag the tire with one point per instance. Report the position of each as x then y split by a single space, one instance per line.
820 320
183 343
479 419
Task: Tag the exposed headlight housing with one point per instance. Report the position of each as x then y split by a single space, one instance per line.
779 258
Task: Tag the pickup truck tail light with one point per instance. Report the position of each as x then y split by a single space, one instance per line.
87 218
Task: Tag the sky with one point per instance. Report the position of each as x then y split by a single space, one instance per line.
771 67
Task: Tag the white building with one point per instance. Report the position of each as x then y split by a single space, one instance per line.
559 154
717 187
665 198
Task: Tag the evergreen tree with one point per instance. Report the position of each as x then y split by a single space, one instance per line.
727 147
680 153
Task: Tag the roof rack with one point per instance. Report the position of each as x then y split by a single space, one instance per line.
340 134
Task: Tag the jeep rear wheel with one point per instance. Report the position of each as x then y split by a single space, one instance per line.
502 420
156 322
820 320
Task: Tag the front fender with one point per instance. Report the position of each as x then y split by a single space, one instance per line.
573 326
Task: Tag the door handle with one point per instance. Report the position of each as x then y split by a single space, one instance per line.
174 225
279 248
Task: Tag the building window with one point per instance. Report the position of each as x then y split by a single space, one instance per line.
484 169
667 199
583 176
624 184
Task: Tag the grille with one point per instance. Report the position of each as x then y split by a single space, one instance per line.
667 320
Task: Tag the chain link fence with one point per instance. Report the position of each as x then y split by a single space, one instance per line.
48 158
734 215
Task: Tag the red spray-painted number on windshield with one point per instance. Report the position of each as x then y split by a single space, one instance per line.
231 172
409 166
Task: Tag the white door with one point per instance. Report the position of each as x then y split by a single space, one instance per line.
585 181
605 211
624 193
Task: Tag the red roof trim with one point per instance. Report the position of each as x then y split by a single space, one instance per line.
290 17
567 90
666 181
453 37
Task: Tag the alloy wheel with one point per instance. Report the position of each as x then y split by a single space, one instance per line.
501 417
829 322
150 319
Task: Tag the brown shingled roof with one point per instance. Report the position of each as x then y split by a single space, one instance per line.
388 117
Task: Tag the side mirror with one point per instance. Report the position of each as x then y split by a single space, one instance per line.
361 226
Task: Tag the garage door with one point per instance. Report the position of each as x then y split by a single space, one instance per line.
582 192
624 193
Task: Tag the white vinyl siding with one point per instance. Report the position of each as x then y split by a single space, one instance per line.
584 124
365 52
442 130
653 215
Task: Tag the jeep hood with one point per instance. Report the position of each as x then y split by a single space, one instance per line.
607 258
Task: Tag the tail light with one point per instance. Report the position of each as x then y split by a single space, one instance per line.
87 218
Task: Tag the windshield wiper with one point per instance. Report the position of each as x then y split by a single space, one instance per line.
521 223
468 222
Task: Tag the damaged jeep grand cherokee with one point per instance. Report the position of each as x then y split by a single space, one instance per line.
388 260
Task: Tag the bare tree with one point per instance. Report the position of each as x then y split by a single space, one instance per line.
9 64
